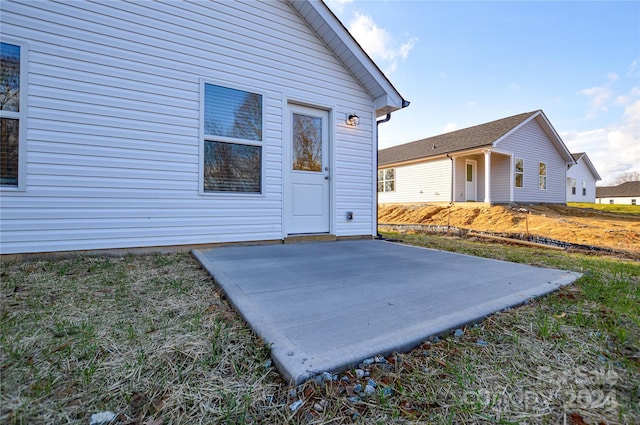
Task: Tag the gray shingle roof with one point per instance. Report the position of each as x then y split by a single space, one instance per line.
455 141
624 189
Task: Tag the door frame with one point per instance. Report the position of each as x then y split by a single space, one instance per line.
475 179
287 159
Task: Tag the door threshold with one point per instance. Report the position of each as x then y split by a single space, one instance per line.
310 237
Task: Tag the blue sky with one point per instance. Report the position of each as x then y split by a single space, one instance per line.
467 63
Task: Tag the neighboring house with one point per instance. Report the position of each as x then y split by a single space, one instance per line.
518 159
148 124
581 179
626 193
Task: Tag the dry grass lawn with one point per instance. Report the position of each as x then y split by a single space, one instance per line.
152 339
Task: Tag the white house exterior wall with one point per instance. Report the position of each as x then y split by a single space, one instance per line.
113 122
580 172
500 178
620 200
532 144
428 181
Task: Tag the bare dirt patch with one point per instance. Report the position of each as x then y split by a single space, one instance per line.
620 232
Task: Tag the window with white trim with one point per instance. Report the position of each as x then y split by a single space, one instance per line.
633 202
519 172
573 186
387 180
232 140
12 114
584 188
542 174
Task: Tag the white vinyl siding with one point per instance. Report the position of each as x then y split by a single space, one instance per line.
532 144
500 178
113 130
619 200
428 181
577 174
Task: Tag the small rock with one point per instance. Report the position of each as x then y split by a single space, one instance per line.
368 361
359 373
293 393
386 392
380 359
369 390
458 333
372 382
268 364
102 418
345 379
354 399
295 405
602 358
426 370
435 339
321 405
357 388
482 343
324 377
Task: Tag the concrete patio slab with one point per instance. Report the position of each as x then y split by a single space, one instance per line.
327 306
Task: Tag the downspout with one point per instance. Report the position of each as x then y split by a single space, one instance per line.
378 122
452 188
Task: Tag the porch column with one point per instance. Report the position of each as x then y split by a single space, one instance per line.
487 177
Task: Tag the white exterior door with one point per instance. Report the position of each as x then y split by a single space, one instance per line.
307 192
470 179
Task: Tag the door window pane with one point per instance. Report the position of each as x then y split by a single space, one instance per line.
307 143
469 172
232 167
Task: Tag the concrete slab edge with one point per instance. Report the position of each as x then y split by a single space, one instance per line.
419 333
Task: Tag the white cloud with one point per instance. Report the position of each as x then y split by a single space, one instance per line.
600 97
379 43
472 104
451 126
338 5
613 77
614 149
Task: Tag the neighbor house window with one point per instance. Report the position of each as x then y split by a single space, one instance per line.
12 114
542 174
611 201
584 188
573 186
387 180
232 139
633 202
519 172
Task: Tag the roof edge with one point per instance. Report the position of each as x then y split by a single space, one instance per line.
391 100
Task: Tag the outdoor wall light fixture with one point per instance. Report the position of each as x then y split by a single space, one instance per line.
353 120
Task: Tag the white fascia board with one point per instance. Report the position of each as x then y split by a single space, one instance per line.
556 140
549 130
591 167
387 99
